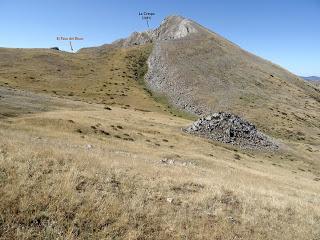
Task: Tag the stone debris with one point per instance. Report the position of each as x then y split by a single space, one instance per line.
229 128
167 161
169 200
89 146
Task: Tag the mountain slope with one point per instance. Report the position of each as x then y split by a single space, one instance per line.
202 72
109 76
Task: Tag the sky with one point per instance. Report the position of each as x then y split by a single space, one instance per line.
286 32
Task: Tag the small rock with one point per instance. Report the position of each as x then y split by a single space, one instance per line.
89 146
167 161
215 115
169 200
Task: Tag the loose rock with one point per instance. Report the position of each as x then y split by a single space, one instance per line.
169 200
231 129
89 146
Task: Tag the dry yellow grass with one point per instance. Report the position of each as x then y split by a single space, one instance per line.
110 76
76 170
127 174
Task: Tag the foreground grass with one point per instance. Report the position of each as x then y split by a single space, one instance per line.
57 182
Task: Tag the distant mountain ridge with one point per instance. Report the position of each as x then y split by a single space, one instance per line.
311 78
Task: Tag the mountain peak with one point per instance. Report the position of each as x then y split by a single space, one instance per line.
175 27
172 20
174 17
172 27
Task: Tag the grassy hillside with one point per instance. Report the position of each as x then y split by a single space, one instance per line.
86 152
87 172
108 77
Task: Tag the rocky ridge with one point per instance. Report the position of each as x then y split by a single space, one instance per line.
172 27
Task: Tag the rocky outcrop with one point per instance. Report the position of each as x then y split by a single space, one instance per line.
136 38
231 129
172 27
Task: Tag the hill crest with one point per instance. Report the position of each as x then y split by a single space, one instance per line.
172 27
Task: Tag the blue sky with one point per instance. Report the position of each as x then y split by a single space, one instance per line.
284 32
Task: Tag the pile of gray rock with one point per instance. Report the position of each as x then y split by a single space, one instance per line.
231 129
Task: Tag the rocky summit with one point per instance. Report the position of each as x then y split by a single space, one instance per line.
231 129
171 28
